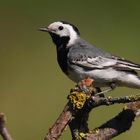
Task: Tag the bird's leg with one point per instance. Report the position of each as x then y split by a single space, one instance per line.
111 87
104 91
98 90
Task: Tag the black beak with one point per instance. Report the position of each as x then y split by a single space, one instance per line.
44 29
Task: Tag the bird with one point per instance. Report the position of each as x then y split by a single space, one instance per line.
79 59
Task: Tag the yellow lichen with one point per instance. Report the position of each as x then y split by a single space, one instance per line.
82 135
78 99
109 97
97 130
125 107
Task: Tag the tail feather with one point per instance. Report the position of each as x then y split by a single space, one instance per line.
128 64
133 67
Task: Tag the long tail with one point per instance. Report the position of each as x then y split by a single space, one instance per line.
128 64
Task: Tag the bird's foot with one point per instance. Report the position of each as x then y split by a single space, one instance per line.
86 85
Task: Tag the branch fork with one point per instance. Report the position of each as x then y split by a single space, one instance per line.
84 98
81 101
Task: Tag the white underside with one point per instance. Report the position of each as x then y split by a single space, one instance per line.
103 77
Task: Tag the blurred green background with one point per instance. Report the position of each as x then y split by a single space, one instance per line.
33 89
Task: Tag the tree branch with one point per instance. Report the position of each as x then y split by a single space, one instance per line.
117 125
82 100
3 130
56 130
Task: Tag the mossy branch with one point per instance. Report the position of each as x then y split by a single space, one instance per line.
84 98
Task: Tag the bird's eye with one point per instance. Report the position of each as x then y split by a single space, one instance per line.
60 27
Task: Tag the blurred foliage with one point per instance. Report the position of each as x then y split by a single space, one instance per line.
33 89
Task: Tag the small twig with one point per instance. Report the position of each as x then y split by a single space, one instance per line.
3 130
113 100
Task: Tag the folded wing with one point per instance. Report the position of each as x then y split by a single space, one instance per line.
100 62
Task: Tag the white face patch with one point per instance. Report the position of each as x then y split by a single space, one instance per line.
66 31
73 35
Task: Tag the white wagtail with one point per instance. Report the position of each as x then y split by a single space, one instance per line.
79 60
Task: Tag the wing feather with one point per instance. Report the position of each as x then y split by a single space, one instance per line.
100 62
94 62
90 57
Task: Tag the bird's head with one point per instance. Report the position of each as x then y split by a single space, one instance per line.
62 33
